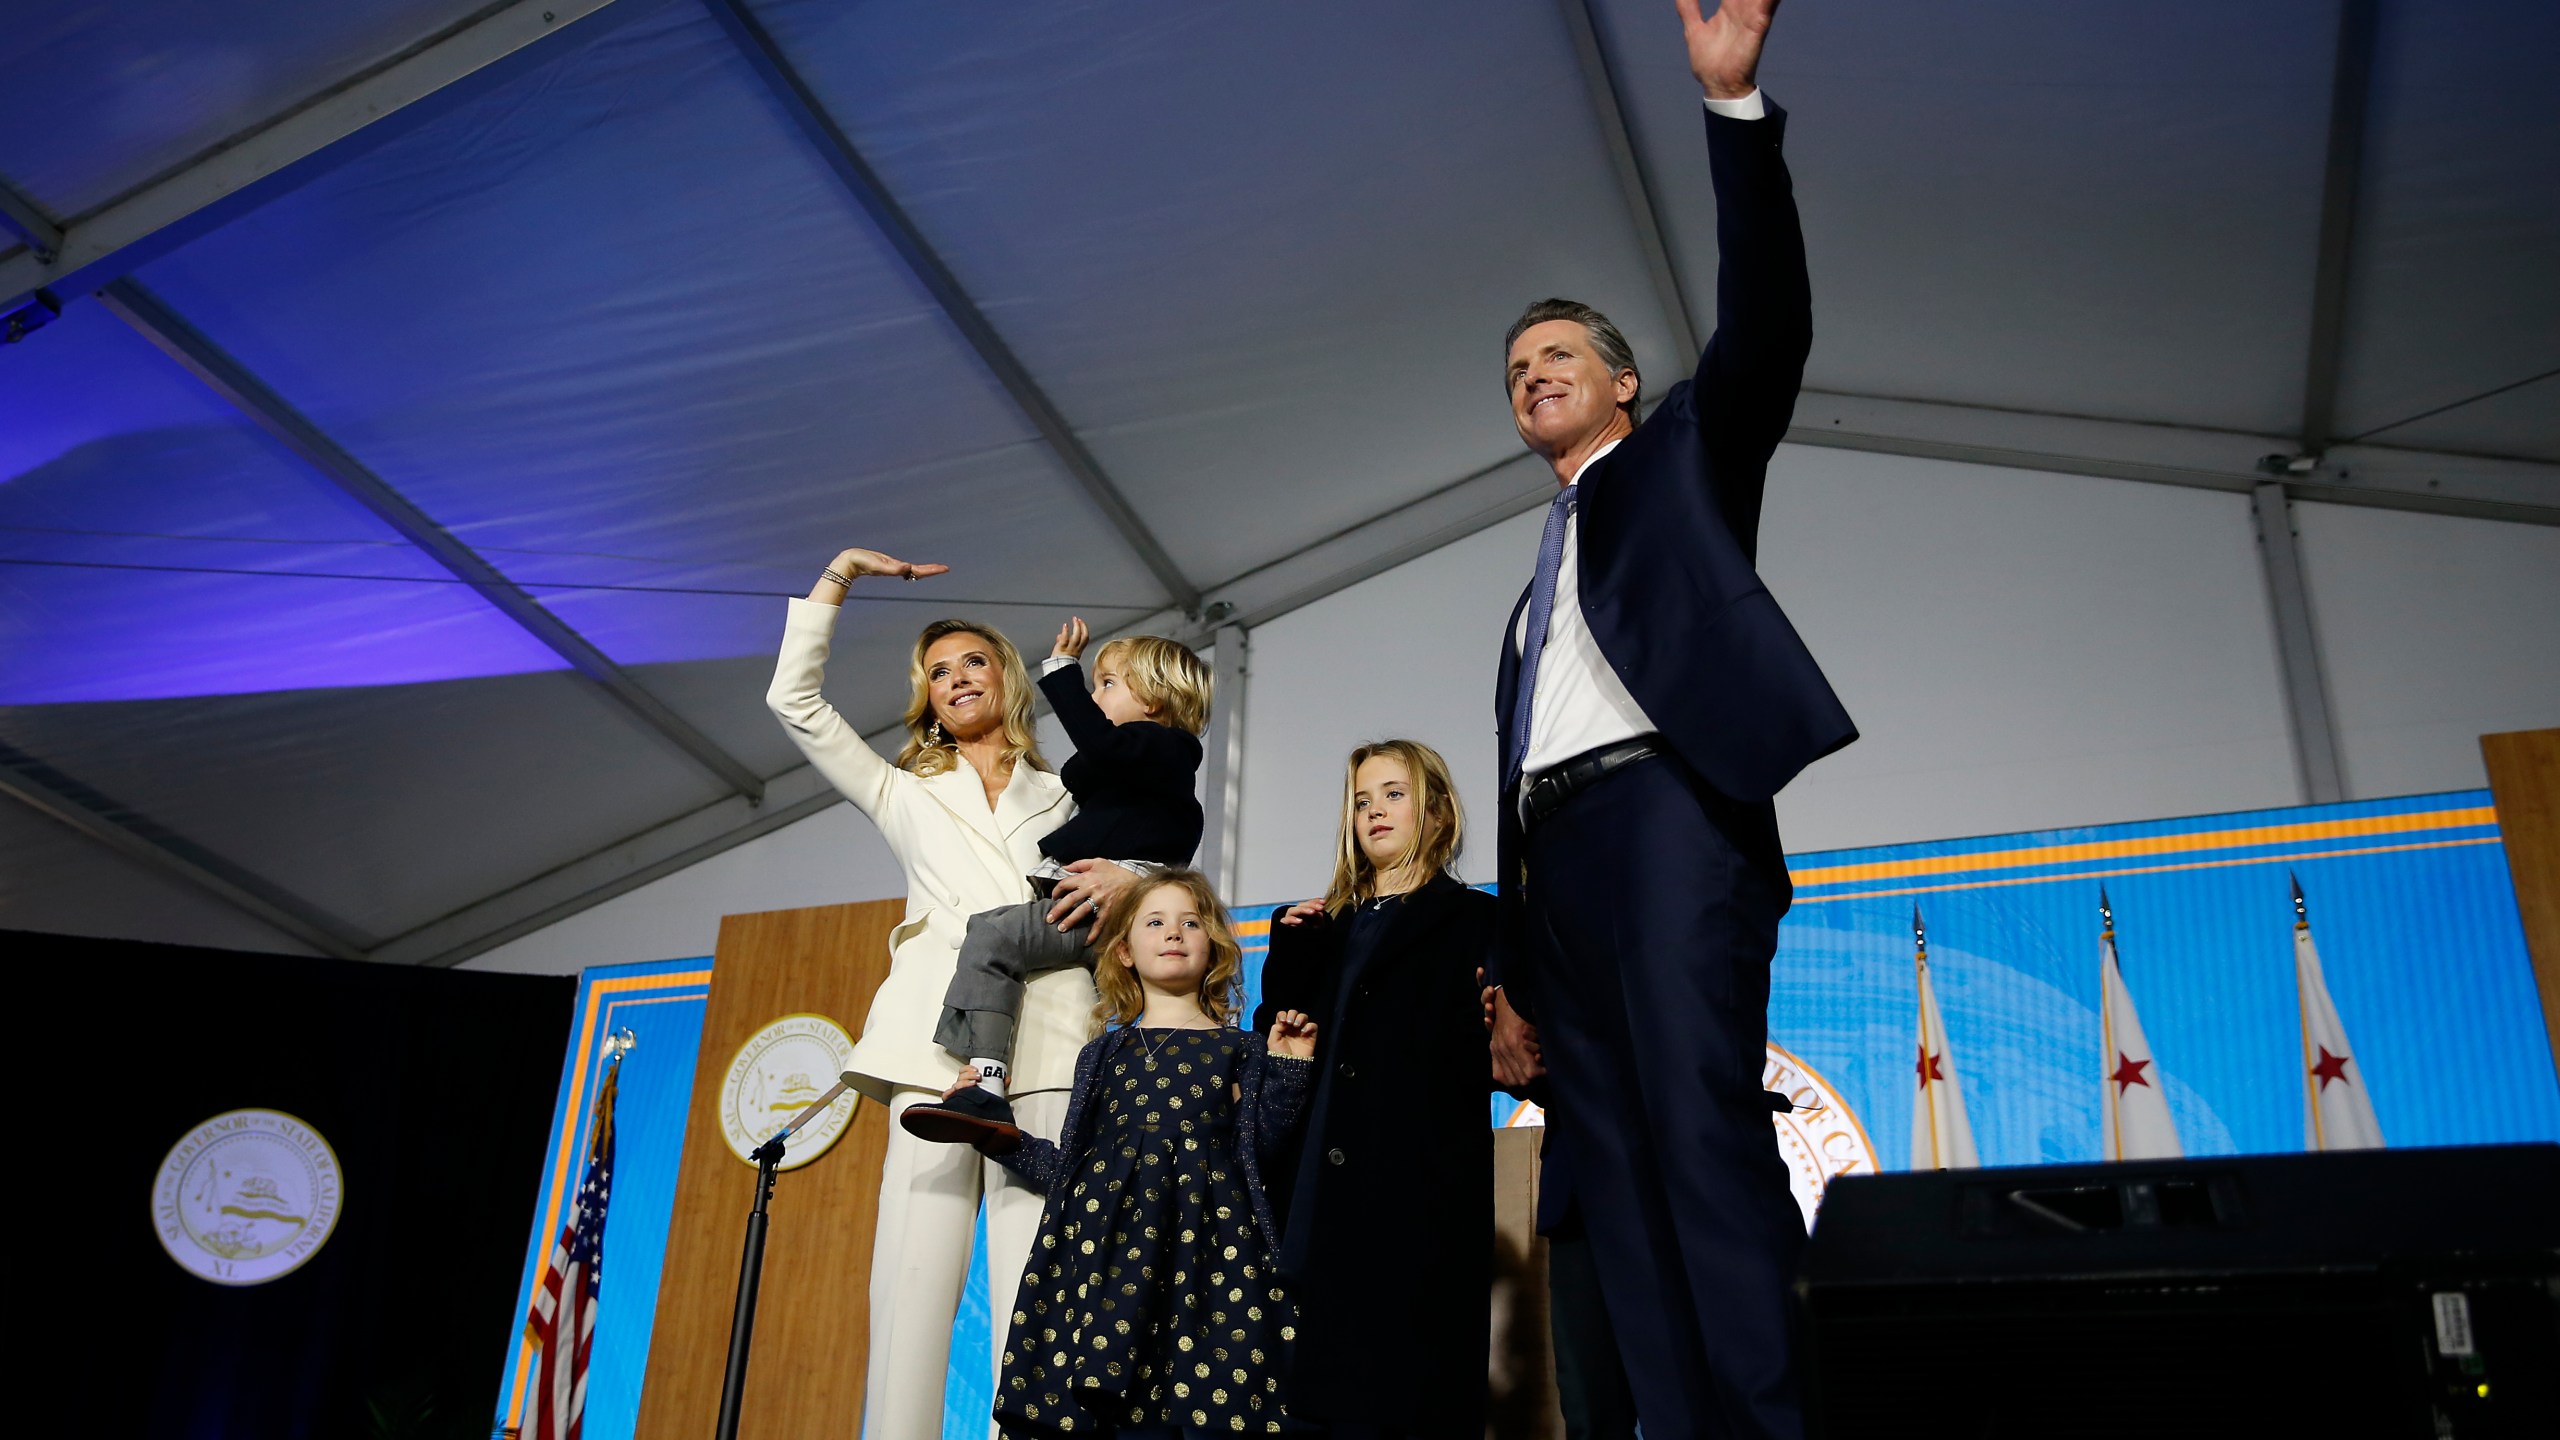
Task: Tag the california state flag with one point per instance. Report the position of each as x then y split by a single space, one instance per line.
2337 1110
2137 1124
1941 1135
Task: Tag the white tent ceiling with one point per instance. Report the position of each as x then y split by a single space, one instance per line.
646 307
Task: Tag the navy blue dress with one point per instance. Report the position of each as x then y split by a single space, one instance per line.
1150 1298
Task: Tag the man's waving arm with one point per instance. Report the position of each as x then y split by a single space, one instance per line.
1747 379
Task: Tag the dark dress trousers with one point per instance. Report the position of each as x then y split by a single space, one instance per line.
1387 1230
1639 920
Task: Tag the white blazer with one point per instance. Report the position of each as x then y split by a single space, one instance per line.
959 859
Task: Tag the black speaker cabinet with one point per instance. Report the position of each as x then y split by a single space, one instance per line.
2374 1293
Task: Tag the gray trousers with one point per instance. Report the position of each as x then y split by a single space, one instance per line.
1004 947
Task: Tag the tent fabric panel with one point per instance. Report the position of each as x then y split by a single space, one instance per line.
1298 288
2454 279
120 460
2434 630
2011 204
60 882
386 805
102 98
694 405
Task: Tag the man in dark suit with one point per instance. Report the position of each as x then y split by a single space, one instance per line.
1652 701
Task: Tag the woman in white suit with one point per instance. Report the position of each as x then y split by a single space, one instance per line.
963 808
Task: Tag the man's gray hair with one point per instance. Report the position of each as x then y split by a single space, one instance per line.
1606 342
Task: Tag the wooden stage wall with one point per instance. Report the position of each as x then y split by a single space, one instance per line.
2524 782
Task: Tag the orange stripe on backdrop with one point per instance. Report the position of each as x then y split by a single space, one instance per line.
571 1128
1802 901
2147 845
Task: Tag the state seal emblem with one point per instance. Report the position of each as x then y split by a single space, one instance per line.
246 1197
781 1071
1821 1139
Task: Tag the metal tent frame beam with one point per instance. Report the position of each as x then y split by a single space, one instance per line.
2350 96
96 247
156 847
234 382
814 122
1610 109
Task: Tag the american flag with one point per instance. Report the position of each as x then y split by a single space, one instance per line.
563 1322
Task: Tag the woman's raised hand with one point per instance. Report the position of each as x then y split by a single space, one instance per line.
1071 638
854 562
1293 1035
1301 913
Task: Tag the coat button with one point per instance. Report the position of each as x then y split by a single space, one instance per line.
1346 1070
1334 1155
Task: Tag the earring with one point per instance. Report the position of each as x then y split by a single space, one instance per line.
933 737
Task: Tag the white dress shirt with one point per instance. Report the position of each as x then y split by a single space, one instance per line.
1581 704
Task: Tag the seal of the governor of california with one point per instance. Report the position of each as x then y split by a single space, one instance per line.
1821 1139
247 1196
781 1071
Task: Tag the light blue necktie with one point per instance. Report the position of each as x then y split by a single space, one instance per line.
1542 609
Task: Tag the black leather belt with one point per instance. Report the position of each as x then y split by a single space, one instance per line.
1548 793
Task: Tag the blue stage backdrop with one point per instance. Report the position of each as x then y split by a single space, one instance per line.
2409 901
661 1004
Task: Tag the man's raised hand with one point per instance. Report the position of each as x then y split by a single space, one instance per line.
1724 48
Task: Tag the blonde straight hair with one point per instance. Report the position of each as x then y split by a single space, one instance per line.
1021 737
1165 676
1123 998
1434 844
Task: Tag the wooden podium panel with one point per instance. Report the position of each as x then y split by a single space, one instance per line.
1520 1379
2524 780
813 1322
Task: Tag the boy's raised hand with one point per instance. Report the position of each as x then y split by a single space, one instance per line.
1293 1035
1071 638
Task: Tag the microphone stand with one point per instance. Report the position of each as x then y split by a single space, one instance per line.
768 1158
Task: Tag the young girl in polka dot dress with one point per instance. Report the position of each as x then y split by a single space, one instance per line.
1150 1304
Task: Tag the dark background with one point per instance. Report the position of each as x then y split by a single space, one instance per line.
435 1089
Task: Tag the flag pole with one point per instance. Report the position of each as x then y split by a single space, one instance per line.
2319 1135
2107 1025
1920 965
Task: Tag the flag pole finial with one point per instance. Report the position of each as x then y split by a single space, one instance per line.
2301 913
1919 934
2106 912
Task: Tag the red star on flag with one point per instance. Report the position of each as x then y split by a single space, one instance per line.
1928 1067
2330 1067
2129 1072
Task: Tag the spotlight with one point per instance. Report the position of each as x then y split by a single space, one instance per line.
36 314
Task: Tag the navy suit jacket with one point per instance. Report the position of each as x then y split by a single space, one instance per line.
1669 521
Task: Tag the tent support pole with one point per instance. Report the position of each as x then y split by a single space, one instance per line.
2306 693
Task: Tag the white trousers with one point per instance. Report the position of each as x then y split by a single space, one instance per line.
929 1197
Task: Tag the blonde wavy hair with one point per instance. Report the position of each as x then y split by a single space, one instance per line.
1123 998
1434 844
1021 739
1165 676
